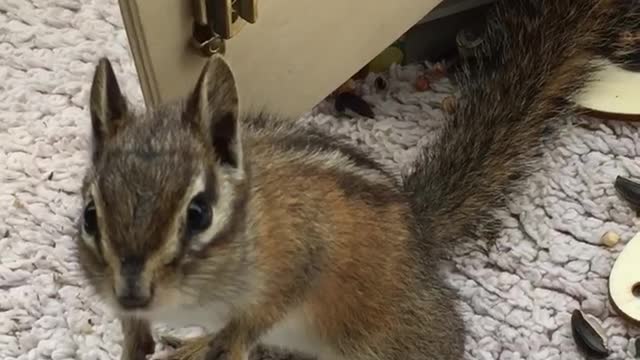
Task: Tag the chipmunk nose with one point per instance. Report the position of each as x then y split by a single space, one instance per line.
131 299
131 291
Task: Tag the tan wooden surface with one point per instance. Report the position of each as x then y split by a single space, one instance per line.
296 54
614 91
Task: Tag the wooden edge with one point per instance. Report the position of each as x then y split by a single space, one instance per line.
138 49
610 116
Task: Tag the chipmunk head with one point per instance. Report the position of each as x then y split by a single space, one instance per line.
164 196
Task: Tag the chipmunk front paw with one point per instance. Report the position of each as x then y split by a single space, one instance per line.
219 350
188 349
206 347
227 345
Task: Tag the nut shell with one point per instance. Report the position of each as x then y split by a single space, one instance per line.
449 104
628 190
349 101
589 335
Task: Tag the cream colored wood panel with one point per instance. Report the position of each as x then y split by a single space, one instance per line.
613 90
297 52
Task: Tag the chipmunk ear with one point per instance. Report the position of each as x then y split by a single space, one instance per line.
213 108
107 104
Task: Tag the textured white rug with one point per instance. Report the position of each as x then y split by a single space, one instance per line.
517 301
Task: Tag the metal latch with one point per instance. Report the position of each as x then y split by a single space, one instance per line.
219 20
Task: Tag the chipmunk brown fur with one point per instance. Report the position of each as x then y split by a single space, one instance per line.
271 233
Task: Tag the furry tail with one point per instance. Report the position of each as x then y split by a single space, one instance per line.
537 55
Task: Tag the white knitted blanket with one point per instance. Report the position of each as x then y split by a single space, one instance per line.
517 300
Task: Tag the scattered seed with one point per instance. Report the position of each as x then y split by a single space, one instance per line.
422 83
18 204
449 104
589 335
610 239
381 83
438 71
350 101
628 190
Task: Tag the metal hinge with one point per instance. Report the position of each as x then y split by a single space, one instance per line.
218 20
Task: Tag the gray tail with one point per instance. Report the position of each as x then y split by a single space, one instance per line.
535 58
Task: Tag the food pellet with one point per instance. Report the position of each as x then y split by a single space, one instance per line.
449 104
610 239
438 71
422 84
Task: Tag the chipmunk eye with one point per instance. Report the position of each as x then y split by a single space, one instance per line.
90 219
198 214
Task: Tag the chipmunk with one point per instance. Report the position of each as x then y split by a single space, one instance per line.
270 233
